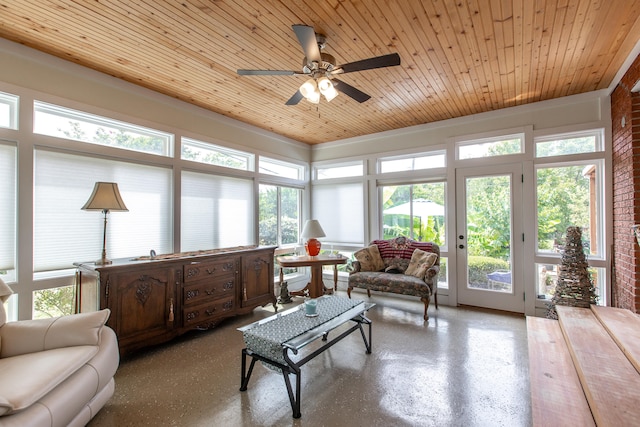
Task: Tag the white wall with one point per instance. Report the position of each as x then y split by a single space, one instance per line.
28 68
562 112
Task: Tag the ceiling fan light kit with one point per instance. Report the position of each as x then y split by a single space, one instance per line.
321 67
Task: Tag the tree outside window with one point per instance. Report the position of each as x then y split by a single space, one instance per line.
279 216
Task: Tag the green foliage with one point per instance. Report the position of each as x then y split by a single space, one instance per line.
430 229
115 138
268 214
442 276
480 266
212 157
123 139
489 217
563 201
269 230
54 302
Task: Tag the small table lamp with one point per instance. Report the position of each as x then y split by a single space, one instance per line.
311 230
105 198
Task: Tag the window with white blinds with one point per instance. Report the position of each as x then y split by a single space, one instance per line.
64 234
217 212
8 156
340 210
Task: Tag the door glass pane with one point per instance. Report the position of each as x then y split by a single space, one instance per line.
488 218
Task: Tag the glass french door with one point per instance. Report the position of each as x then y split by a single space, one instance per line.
489 238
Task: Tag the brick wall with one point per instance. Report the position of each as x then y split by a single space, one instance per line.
625 107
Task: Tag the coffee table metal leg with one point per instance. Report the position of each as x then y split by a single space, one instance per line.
367 343
295 401
244 375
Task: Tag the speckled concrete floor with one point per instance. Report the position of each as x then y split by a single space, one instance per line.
464 367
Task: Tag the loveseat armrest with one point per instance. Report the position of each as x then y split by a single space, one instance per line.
432 272
30 336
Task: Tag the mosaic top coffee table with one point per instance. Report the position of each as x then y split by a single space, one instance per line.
274 340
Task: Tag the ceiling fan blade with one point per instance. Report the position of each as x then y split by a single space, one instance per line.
350 91
267 72
371 63
297 97
307 38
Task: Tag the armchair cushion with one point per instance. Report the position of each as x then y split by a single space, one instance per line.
369 258
420 262
27 378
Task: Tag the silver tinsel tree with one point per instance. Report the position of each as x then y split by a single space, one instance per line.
574 286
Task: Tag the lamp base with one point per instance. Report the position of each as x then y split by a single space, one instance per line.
103 261
312 247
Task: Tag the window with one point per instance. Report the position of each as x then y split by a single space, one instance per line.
340 171
569 192
64 234
8 200
414 210
569 195
8 111
204 152
217 212
339 208
411 163
63 122
282 169
490 147
589 142
279 215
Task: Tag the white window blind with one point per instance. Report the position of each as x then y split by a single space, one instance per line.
7 206
340 210
217 212
64 234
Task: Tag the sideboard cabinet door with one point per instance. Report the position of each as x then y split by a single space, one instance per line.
143 303
257 279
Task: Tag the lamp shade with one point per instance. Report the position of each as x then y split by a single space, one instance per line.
105 196
312 229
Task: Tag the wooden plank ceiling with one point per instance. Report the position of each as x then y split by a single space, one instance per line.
458 57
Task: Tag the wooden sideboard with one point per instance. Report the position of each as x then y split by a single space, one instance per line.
153 300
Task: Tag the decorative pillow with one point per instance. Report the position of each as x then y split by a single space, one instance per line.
420 262
369 258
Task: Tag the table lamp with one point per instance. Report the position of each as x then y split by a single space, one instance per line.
105 198
311 230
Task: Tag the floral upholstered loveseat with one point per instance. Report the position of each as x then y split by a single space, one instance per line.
399 265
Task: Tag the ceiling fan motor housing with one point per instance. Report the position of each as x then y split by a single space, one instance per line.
327 64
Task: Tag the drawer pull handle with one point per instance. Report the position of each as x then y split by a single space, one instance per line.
210 311
211 270
210 291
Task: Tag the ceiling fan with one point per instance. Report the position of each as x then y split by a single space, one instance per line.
321 67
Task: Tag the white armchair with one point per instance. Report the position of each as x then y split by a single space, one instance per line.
55 372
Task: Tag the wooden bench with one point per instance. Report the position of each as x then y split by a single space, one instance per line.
584 368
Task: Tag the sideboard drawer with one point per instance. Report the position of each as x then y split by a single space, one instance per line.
205 313
204 290
215 268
